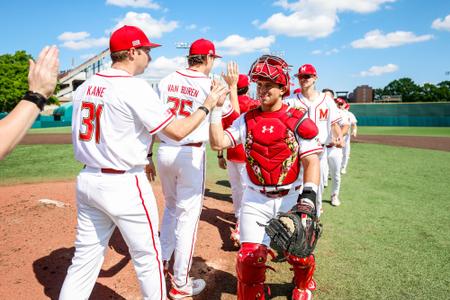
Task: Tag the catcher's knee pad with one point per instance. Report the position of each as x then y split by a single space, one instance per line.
251 271
303 268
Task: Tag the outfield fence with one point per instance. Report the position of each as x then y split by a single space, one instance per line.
402 114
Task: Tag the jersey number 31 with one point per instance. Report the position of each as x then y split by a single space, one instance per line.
91 122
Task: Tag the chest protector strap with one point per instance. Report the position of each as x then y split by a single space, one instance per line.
272 147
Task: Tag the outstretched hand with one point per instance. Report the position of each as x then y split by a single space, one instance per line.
43 73
217 95
232 75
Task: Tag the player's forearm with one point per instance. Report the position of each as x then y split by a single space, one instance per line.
311 165
216 136
178 129
15 125
345 129
234 99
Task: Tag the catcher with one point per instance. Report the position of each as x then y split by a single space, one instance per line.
278 141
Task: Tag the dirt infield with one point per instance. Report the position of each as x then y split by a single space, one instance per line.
434 143
36 246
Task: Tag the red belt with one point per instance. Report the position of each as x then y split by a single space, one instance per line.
277 193
112 171
199 144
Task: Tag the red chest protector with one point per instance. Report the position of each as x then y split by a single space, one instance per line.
271 147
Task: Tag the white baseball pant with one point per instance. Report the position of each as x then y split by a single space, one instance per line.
105 201
258 208
334 163
236 173
346 152
182 175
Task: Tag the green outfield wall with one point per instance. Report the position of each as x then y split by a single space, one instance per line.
402 114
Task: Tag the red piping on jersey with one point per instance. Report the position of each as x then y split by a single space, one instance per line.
194 236
231 137
191 76
163 123
309 152
337 120
153 239
113 76
229 113
317 106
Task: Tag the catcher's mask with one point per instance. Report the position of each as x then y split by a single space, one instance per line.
273 68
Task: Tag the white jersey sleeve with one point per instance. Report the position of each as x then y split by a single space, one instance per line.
237 131
353 119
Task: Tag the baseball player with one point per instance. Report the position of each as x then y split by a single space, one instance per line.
324 112
181 166
334 155
235 161
114 117
353 130
277 140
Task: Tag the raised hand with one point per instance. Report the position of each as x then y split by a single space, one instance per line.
43 73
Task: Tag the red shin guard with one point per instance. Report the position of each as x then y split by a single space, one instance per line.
251 271
303 270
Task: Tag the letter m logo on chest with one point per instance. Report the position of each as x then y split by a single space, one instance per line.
323 114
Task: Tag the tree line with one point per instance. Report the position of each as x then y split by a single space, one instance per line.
14 79
412 92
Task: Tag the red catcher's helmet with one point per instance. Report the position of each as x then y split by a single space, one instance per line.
273 68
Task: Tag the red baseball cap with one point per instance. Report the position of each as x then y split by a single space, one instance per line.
203 47
127 37
340 101
242 81
306 69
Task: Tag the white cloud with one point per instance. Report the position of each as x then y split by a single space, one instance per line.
191 27
315 18
328 52
235 44
134 3
73 36
440 24
152 27
379 70
87 43
163 66
376 39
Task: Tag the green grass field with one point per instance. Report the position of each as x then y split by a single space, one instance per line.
390 238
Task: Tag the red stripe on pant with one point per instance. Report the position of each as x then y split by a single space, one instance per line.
153 239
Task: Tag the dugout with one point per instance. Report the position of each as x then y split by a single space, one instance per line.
435 114
63 113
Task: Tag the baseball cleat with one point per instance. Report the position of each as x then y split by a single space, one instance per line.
298 294
343 171
335 200
192 288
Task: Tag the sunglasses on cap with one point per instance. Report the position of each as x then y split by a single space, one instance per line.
305 76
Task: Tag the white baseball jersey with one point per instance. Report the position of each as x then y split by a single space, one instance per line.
237 133
345 117
322 110
178 92
352 117
114 116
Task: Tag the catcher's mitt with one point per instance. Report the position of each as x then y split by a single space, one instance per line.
296 231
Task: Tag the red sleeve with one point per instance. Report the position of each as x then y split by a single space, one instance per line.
228 120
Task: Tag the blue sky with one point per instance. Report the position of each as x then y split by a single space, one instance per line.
350 42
